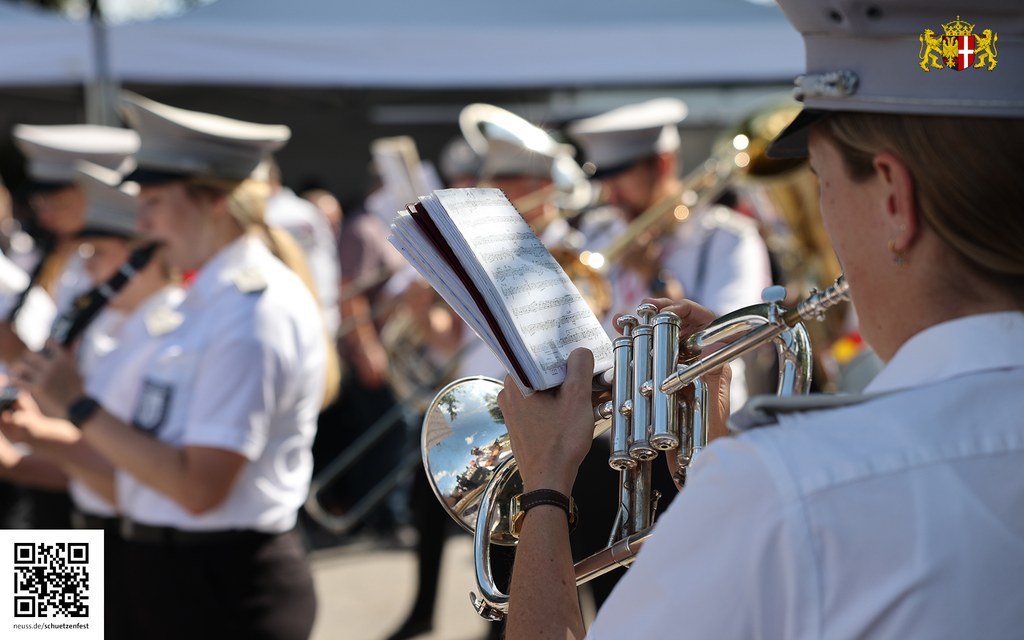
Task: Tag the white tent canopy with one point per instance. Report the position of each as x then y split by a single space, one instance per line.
42 48
461 43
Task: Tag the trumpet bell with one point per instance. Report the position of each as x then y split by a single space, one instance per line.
464 439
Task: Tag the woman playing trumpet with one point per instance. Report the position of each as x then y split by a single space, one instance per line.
898 514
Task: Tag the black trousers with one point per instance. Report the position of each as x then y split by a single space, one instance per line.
115 590
254 586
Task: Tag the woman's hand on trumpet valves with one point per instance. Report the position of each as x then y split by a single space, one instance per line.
552 430
695 317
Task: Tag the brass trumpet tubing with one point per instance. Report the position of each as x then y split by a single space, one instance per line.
640 448
491 603
642 510
795 361
697 439
622 415
777 319
620 554
665 353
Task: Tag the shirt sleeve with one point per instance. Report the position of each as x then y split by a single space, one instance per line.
731 558
737 270
235 391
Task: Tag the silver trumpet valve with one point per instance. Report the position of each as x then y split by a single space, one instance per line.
640 448
621 405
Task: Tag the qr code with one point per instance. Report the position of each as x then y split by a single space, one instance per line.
51 580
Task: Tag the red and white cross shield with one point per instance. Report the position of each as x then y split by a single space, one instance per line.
965 52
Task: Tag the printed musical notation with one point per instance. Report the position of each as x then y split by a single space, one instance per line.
538 310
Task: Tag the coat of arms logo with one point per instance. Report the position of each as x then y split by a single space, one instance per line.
957 48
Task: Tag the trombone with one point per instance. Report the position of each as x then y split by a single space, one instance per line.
467 451
737 155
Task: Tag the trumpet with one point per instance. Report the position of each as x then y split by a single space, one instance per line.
467 452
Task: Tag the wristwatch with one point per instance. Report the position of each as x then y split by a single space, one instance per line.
81 410
526 501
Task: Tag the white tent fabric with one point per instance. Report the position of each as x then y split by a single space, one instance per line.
42 48
461 43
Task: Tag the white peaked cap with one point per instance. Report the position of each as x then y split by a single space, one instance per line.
111 204
613 140
867 57
182 143
53 150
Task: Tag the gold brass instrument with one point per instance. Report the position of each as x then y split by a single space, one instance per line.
467 451
737 156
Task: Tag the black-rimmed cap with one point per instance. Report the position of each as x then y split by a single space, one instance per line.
178 143
792 142
889 58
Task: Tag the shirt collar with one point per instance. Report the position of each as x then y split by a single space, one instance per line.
954 348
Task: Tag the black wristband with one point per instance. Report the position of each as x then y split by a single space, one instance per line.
81 410
526 501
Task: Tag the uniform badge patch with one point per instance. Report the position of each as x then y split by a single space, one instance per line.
154 402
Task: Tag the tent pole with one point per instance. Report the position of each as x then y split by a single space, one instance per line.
100 90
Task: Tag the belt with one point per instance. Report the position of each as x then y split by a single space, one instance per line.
169 536
82 520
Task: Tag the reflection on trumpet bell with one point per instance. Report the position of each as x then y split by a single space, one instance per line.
464 440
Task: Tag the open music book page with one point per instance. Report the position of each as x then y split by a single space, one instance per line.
479 254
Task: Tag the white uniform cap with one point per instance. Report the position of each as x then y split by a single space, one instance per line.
112 204
512 146
614 140
868 57
178 143
53 150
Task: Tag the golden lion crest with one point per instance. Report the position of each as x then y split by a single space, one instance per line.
957 48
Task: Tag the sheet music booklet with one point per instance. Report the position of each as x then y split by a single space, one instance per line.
479 254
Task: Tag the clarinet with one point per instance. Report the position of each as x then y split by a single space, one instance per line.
69 325
87 306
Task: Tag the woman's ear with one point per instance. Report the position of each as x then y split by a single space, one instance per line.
898 200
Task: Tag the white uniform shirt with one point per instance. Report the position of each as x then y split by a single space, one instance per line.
304 222
244 372
717 256
111 358
100 338
37 313
899 517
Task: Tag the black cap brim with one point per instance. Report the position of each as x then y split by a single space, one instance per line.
101 232
792 142
150 176
43 186
602 173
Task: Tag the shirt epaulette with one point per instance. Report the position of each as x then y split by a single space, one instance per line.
726 219
162 320
764 411
248 280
